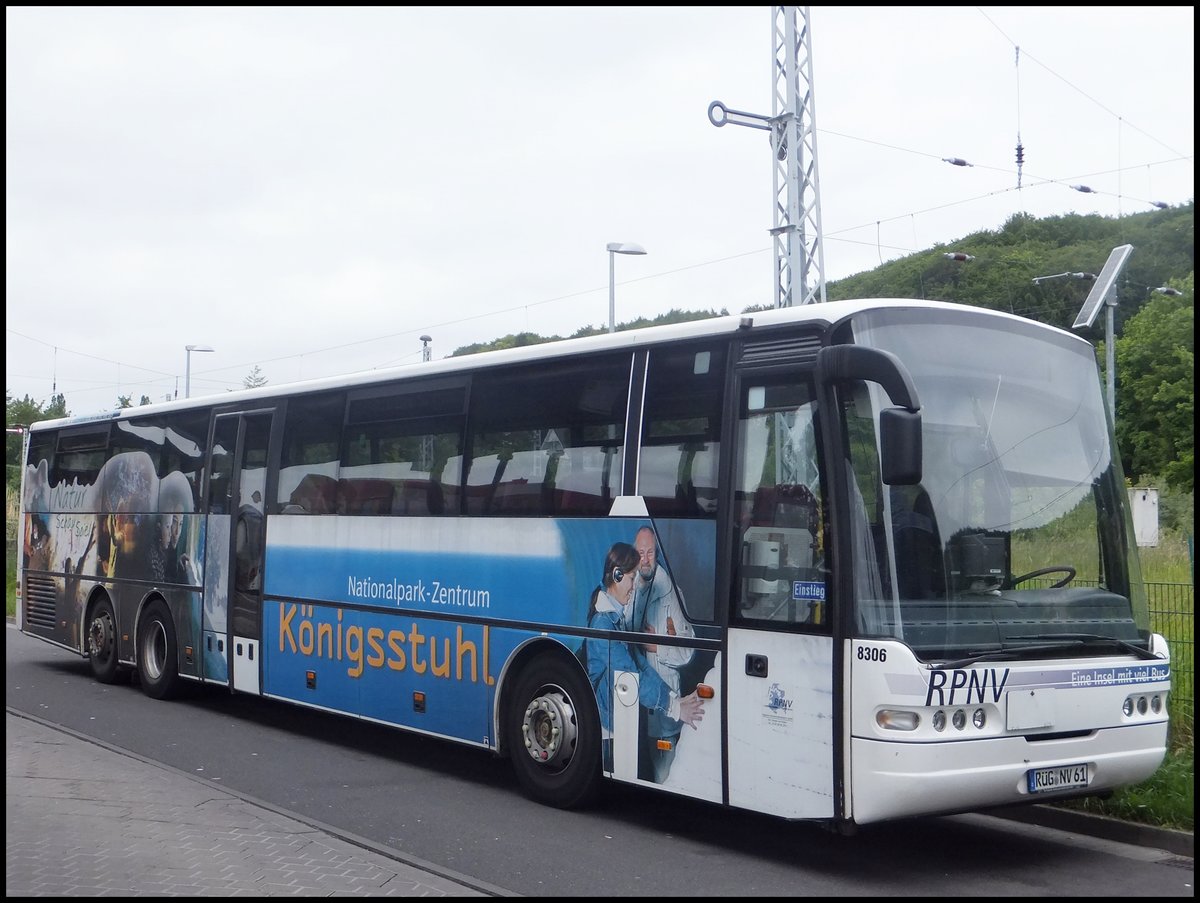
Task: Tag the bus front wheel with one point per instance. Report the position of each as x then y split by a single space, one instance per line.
553 733
158 654
102 641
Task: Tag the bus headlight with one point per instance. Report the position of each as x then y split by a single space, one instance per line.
960 719
979 718
1127 707
897 720
939 720
1156 704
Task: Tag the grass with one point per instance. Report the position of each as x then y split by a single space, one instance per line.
1164 800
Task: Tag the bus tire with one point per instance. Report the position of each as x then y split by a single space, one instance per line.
553 733
158 653
102 641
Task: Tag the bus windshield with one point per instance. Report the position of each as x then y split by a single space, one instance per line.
1018 535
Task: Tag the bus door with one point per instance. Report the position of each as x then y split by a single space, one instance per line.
780 696
236 536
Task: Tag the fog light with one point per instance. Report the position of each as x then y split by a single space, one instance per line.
979 718
1141 705
960 719
896 720
939 720
1127 708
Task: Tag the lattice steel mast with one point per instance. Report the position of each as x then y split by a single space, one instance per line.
799 255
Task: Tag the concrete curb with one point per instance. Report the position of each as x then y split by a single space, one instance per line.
1181 843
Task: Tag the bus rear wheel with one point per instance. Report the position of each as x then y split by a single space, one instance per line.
102 641
158 654
553 733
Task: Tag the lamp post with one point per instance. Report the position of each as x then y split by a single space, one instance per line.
187 373
1103 294
614 248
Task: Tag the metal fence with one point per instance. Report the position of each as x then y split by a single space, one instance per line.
1172 615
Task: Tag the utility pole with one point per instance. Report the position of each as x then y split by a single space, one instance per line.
799 253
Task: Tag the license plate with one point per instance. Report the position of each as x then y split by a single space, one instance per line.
1061 777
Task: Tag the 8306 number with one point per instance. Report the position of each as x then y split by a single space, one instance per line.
871 654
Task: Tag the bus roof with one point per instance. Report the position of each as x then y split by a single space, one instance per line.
822 314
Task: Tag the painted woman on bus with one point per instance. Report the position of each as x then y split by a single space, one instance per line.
610 610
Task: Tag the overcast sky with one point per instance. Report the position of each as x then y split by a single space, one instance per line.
310 190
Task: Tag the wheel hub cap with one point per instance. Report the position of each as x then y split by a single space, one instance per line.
550 728
100 636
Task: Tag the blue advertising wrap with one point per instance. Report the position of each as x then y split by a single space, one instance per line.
403 621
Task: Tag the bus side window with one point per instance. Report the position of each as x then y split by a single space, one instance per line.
223 446
685 390
79 457
185 448
548 440
308 469
396 448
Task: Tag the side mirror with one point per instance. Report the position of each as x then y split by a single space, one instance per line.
899 428
900 446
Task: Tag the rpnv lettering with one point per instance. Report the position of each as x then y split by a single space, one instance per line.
962 687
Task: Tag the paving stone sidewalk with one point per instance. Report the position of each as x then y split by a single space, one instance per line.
85 820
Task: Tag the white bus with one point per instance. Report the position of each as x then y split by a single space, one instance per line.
846 562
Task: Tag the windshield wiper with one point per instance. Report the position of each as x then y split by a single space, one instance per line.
1096 639
1007 653
1067 641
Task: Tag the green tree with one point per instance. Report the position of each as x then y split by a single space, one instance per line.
1156 388
254 379
512 340
521 339
57 408
17 416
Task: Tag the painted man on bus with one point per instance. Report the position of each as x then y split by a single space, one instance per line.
658 608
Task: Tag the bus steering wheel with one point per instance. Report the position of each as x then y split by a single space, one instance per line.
1054 569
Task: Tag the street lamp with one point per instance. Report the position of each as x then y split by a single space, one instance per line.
1103 294
426 351
614 248
187 373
